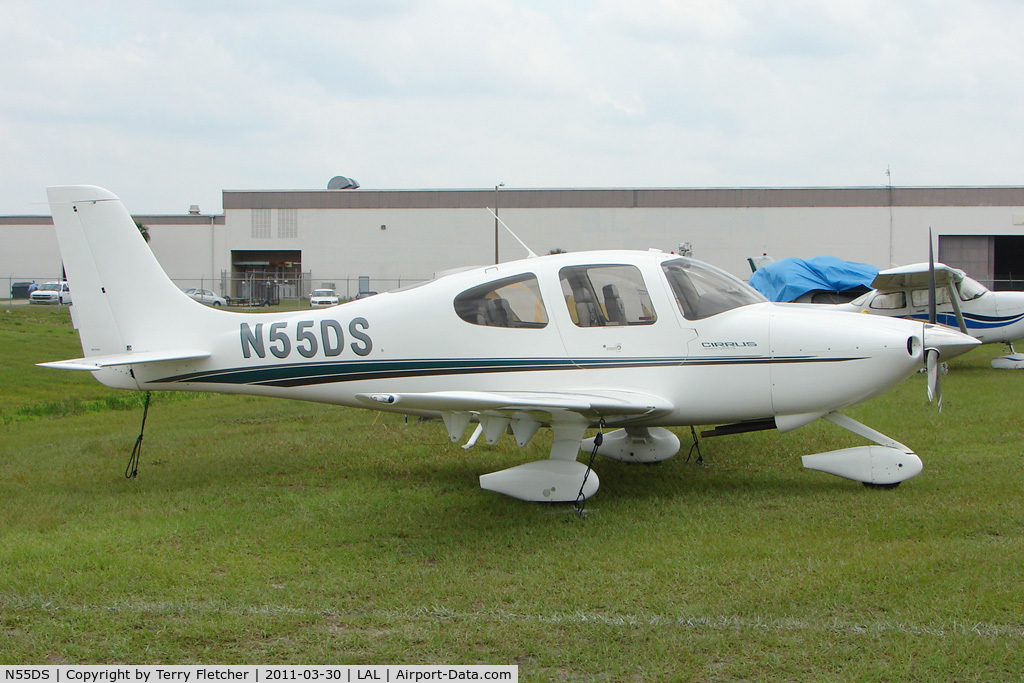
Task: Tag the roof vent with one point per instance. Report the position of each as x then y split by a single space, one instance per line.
340 182
193 210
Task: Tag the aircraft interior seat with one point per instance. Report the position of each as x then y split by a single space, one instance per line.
503 315
495 313
587 312
482 318
613 305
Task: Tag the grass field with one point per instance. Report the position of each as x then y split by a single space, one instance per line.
263 531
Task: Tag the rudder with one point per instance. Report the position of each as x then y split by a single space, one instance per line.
123 300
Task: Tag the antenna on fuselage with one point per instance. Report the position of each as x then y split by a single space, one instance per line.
529 252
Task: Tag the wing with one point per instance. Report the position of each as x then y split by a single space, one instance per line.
592 404
524 411
914 277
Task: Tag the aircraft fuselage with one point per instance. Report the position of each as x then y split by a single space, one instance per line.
755 360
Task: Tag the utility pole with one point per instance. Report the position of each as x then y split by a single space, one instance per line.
888 176
496 221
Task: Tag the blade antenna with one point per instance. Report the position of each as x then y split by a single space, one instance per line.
529 251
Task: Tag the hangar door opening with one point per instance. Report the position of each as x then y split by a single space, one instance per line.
996 261
267 275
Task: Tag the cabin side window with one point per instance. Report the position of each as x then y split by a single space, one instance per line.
603 295
510 302
919 297
889 301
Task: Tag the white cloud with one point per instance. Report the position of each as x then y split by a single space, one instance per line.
168 103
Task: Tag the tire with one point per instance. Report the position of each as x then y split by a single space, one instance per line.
882 487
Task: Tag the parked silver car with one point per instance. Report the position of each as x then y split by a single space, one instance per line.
206 296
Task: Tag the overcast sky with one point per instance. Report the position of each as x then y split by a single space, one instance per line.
167 103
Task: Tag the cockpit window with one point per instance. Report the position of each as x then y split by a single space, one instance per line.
601 295
971 289
510 302
703 291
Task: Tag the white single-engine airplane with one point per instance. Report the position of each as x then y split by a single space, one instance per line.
991 317
625 339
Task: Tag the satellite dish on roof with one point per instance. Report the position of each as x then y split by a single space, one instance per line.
340 182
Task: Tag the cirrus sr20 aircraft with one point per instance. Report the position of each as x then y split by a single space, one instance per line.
631 340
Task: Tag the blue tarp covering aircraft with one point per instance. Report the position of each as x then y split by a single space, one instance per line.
791 278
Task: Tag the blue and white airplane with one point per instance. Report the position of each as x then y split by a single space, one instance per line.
991 317
631 340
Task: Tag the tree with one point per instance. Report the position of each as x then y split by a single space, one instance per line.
143 230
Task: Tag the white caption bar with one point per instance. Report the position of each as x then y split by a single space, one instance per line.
118 673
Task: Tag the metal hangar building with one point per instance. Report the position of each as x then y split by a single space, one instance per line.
375 240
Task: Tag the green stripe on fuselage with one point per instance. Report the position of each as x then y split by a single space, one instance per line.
303 374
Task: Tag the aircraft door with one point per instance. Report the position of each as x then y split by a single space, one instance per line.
609 318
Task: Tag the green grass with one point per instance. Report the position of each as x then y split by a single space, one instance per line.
274 531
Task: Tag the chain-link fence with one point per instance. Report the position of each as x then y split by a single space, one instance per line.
350 287
18 288
250 289
265 290
1015 283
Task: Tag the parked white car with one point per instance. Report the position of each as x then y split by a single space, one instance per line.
206 296
323 297
51 293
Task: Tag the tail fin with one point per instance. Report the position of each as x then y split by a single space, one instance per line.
123 301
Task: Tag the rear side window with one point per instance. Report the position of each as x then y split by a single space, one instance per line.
602 295
891 301
510 302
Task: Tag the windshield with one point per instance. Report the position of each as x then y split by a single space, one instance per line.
702 291
860 300
971 289
323 292
50 286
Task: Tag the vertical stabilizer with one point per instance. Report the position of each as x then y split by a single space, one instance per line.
123 300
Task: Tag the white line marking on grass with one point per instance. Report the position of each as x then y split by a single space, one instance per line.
954 628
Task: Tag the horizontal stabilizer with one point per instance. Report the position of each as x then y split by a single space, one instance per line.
94 363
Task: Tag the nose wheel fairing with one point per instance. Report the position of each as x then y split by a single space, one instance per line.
873 465
885 464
